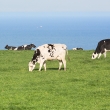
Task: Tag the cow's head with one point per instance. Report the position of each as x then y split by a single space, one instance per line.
94 55
34 60
6 47
31 66
32 45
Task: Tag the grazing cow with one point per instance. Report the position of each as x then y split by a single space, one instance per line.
26 47
77 49
49 52
102 47
10 47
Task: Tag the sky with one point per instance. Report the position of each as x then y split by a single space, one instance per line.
54 5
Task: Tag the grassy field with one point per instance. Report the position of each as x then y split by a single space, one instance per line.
84 86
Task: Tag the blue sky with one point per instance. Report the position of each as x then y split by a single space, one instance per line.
54 5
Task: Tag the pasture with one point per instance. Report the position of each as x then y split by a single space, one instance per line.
84 86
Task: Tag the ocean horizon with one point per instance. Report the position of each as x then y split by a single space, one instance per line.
83 30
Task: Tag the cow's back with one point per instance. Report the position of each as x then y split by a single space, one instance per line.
59 50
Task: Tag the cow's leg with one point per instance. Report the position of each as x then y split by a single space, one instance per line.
60 64
64 63
99 55
44 66
103 51
40 66
104 54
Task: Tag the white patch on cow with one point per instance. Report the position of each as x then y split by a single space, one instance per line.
24 46
16 49
105 52
74 49
94 56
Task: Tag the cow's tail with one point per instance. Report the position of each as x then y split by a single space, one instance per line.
67 55
66 51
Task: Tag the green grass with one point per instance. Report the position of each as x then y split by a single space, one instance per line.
84 86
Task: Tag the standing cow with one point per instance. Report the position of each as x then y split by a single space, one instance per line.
49 52
102 47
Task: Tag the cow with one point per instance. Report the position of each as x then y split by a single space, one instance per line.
102 47
25 47
10 47
49 52
77 48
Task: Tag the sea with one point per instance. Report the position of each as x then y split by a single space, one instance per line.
75 29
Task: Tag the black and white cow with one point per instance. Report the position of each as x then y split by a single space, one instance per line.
102 47
49 52
25 47
10 47
77 49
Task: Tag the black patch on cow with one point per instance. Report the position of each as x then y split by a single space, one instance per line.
52 53
21 47
51 45
42 57
49 51
36 54
34 62
79 48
